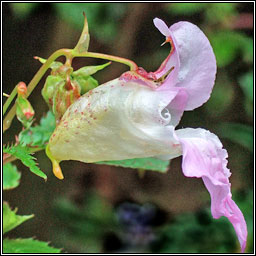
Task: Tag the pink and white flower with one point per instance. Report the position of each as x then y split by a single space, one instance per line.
135 116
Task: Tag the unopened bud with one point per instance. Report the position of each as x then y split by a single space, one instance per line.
24 110
22 89
64 97
50 87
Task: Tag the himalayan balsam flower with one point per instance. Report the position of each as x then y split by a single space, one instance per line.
135 115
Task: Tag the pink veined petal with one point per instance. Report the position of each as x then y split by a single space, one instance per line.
197 63
204 157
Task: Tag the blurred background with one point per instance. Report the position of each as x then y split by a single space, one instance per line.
100 208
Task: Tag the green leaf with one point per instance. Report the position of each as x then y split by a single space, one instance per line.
222 97
246 83
227 44
152 164
22 10
23 154
39 135
220 12
11 177
27 245
186 8
11 220
238 133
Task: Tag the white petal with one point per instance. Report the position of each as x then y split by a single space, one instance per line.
117 120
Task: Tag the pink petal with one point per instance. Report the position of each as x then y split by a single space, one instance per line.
177 105
204 157
172 60
162 27
197 63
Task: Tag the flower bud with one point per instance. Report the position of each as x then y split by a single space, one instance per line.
24 110
51 85
66 94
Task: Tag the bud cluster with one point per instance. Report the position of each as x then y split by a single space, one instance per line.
63 86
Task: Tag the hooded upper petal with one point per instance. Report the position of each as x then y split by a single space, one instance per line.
172 61
204 157
117 120
192 60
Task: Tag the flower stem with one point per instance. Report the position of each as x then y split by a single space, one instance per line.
10 99
133 66
31 86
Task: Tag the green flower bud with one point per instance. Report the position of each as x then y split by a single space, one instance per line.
24 110
65 95
51 85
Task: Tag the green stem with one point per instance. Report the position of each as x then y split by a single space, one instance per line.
133 66
10 99
31 86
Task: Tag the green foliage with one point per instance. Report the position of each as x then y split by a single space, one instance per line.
23 154
197 233
221 98
220 12
10 219
22 10
228 44
102 17
246 83
27 245
214 12
84 226
238 133
11 177
186 8
39 135
152 164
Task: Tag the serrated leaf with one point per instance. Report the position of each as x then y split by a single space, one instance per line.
152 164
238 133
11 220
39 135
27 245
23 154
11 177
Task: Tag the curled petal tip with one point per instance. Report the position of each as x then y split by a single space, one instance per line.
57 170
55 164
